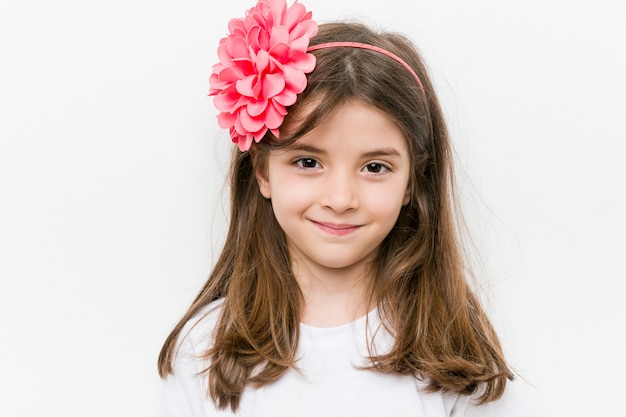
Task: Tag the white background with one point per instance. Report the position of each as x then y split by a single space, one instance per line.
112 186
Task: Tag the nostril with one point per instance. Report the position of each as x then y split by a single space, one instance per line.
340 194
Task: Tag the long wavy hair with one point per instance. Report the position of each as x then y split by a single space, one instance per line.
420 283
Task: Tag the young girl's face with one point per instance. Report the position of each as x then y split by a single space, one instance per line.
337 191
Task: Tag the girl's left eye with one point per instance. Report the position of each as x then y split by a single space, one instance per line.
375 167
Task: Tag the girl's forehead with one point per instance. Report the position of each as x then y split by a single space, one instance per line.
299 113
353 127
324 112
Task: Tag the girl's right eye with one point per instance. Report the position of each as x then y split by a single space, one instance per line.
306 163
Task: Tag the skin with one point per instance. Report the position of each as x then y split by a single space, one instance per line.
337 192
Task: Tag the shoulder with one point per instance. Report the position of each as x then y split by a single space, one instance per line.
511 404
197 334
185 388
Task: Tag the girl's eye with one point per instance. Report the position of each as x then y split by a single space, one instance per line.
375 167
307 163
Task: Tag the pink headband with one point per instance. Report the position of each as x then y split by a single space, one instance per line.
371 48
262 68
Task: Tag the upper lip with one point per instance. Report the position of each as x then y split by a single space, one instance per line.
336 226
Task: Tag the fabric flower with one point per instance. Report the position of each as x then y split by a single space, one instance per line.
263 62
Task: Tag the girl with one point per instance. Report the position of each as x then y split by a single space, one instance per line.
341 288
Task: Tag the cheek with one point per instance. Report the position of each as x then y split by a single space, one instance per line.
289 196
387 201
388 192
386 211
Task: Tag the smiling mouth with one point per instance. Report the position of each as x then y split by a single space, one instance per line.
336 229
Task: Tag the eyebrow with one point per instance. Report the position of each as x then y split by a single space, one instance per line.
383 152
307 148
370 154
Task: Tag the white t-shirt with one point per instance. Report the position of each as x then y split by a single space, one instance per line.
327 383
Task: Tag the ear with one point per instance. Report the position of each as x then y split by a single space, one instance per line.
407 196
262 175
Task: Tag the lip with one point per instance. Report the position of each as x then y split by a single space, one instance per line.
336 229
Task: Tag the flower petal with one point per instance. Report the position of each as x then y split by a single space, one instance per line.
294 78
246 86
256 108
273 84
249 123
263 62
238 48
279 35
286 98
225 120
274 116
262 68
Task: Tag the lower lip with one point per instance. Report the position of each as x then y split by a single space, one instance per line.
343 231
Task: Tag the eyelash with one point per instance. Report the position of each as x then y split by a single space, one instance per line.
382 168
299 162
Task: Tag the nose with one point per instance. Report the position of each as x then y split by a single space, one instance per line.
340 191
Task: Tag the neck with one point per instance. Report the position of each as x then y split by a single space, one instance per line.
333 297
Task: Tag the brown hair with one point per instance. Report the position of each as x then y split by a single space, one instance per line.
442 334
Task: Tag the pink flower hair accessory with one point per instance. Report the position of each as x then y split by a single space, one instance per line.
262 68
